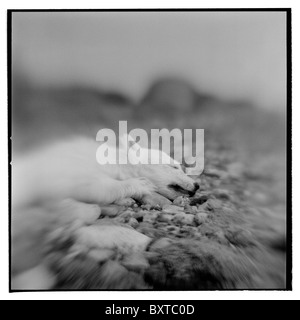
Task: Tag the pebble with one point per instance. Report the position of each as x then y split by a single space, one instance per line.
181 201
199 200
172 230
123 217
200 217
189 230
133 223
165 217
194 209
213 204
190 209
184 219
139 215
147 207
150 216
171 209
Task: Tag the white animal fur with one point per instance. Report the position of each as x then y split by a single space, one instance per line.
69 170
59 175
146 155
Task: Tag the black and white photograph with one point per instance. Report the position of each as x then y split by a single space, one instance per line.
149 150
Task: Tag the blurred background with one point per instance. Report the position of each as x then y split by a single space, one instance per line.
74 73
98 66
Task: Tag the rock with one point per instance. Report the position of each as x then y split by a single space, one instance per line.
181 201
194 209
135 262
200 217
212 204
172 228
125 216
183 219
165 217
139 215
179 218
175 232
151 216
199 200
171 209
121 220
101 255
190 209
133 223
161 243
146 207
189 231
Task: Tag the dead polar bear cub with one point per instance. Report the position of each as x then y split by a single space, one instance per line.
69 170
45 184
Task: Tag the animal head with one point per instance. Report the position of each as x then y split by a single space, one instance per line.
170 181
167 175
138 155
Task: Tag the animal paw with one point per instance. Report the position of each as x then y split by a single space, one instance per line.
127 202
141 186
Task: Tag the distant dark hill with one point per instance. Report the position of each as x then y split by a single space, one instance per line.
172 97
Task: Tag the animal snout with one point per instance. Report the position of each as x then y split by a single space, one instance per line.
196 187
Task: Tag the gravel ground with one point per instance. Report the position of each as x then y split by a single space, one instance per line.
230 235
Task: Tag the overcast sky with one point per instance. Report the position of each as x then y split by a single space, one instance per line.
231 54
